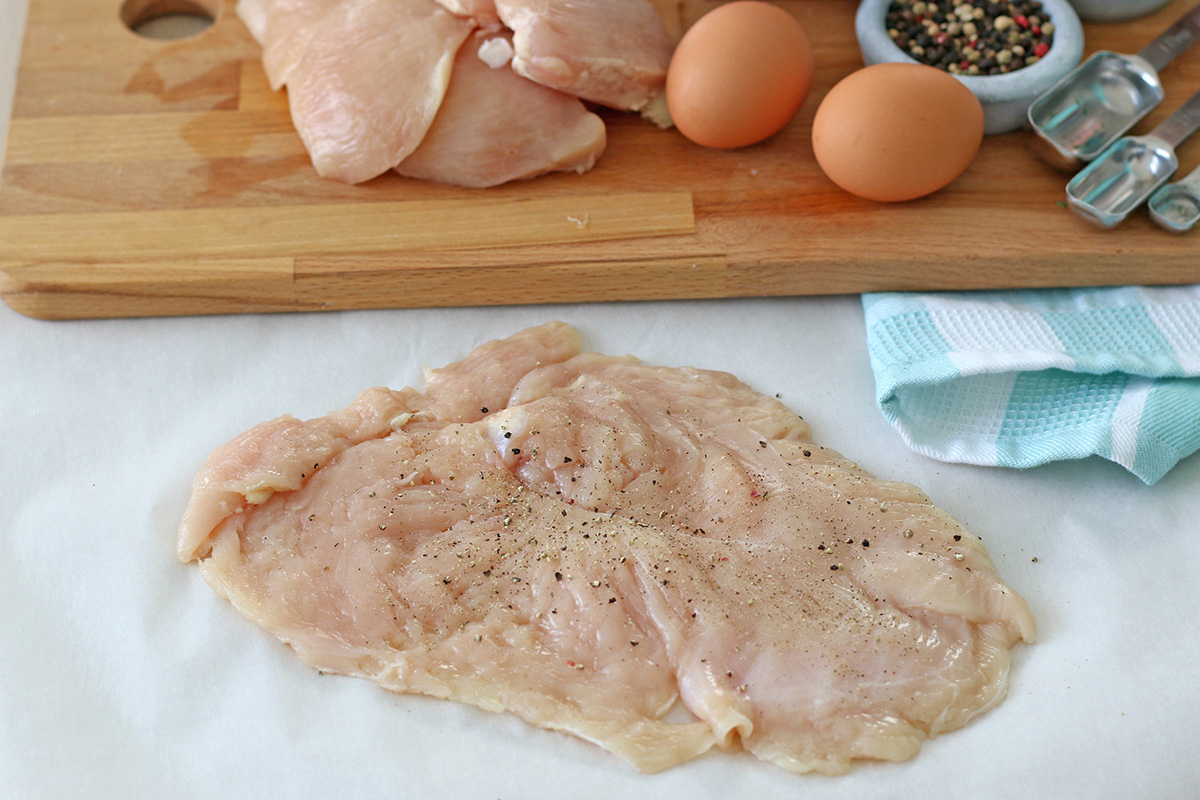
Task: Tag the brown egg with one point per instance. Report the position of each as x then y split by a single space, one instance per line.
894 132
739 74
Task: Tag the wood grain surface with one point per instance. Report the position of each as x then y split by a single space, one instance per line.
149 177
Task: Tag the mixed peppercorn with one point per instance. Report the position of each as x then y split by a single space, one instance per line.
980 37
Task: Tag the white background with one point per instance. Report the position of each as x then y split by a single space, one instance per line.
123 676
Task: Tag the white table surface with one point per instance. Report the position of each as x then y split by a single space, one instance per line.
123 676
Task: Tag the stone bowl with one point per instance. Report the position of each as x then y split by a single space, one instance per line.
1110 10
1005 98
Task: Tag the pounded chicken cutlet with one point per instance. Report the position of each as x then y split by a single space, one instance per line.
586 541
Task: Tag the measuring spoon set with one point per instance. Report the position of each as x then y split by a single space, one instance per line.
1083 121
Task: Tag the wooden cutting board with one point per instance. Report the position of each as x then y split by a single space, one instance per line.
147 177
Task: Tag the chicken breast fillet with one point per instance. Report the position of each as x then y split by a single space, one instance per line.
283 28
483 12
611 52
494 126
360 116
586 541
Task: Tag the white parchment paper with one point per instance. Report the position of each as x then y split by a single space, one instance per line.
123 675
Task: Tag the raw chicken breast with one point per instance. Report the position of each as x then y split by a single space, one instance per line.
585 540
611 52
284 29
494 126
483 12
370 82
291 25
254 14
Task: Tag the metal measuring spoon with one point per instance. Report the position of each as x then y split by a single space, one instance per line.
1092 106
1176 206
1127 173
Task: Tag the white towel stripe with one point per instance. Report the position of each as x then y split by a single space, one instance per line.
1127 420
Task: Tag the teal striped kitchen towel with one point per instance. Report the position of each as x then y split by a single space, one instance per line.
1021 378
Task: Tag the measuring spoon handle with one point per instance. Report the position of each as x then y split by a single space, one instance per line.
1174 40
1175 129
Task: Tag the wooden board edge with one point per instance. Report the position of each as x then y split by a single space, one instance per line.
569 280
94 290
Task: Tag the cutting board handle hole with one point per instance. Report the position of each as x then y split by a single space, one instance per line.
169 19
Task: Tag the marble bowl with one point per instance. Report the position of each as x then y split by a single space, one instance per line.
1005 98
